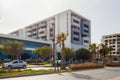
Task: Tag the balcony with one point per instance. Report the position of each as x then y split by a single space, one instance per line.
44 33
34 27
77 29
34 32
51 36
42 29
43 25
85 39
35 36
75 21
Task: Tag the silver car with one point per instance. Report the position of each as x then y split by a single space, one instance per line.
15 64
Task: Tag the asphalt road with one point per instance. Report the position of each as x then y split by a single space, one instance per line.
96 74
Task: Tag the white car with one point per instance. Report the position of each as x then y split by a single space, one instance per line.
15 64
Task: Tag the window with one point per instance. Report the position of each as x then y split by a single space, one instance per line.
75 21
118 42
113 43
34 34
86 31
41 32
113 46
76 33
113 52
51 30
29 35
118 39
14 62
106 41
110 36
20 61
85 41
34 30
76 39
106 37
43 37
51 35
118 36
86 26
114 40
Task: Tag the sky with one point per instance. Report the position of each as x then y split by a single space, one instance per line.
104 14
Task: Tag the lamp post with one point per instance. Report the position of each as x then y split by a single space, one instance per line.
54 55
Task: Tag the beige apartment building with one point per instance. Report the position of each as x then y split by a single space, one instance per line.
112 40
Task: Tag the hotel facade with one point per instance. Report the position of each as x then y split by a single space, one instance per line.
77 27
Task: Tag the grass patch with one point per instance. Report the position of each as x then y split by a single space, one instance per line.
85 66
18 72
33 62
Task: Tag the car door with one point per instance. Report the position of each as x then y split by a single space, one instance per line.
15 64
20 63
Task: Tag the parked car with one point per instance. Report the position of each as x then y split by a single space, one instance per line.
15 64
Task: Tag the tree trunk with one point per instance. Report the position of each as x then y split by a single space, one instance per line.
63 56
37 59
94 57
104 60
110 58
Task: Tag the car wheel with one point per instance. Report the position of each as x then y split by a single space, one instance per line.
10 67
24 66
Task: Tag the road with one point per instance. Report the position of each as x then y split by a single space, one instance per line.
95 74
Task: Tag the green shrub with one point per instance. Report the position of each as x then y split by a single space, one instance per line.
6 70
85 66
113 64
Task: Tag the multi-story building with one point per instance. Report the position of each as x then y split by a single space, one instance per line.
77 27
112 40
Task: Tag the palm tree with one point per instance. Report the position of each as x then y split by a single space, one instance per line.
104 51
60 39
110 48
93 48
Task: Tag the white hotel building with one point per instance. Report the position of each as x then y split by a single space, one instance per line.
77 26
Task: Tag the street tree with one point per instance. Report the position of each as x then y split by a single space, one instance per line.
93 49
83 54
69 53
110 48
60 39
45 51
12 48
104 51
36 51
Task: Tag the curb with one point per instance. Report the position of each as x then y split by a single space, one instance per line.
24 75
3 77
